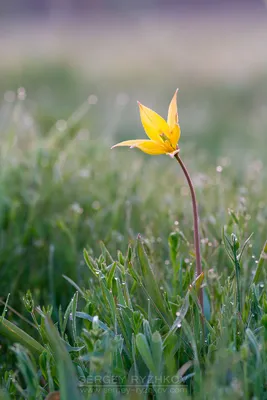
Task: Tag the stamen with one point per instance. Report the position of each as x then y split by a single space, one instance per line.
164 137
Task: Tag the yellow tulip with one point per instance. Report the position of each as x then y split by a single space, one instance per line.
163 139
163 135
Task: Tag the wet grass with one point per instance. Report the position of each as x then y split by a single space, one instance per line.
125 311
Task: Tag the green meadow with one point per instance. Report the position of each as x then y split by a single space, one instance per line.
97 265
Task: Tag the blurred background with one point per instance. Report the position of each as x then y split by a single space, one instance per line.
70 75
62 51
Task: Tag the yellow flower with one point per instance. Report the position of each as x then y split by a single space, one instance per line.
163 135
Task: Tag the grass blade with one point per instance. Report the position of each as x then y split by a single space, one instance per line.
67 375
17 335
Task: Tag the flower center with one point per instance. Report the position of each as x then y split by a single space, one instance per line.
166 139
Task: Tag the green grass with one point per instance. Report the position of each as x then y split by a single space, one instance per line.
126 308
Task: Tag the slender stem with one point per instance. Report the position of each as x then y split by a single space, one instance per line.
196 228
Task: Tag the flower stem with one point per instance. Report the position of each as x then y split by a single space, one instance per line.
196 228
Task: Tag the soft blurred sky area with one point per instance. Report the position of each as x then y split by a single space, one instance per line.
86 7
210 39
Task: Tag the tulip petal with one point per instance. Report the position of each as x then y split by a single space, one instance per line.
152 148
129 143
172 112
147 146
175 135
154 125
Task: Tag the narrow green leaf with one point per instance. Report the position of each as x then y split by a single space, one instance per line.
106 253
5 308
254 344
173 242
244 246
180 317
15 334
66 317
90 318
147 331
262 259
144 350
74 309
74 284
110 300
228 246
150 284
120 298
68 381
190 336
111 275
28 369
90 263
157 349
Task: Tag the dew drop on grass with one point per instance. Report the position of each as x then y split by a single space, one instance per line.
61 125
179 325
92 99
76 208
96 205
21 93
